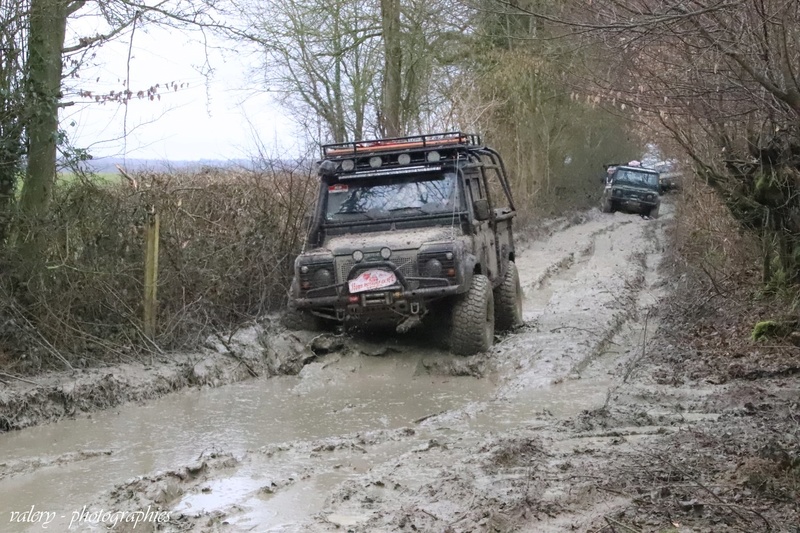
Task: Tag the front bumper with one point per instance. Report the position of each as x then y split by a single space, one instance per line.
394 302
633 203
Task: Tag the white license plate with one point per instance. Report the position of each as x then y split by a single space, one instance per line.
370 280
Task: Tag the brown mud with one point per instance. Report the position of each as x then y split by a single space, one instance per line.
604 412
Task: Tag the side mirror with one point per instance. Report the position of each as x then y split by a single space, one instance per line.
482 211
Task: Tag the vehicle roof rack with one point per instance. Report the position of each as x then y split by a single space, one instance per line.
635 167
450 139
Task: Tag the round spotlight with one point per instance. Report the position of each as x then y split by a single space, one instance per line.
433 156
386 253
358 256
449 256
348 165
433 268
322 277
375 161
304 269
404 159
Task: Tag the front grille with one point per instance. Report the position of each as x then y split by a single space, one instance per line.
638 196
405 262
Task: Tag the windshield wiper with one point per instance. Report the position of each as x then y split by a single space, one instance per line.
427 209
407 208
370 214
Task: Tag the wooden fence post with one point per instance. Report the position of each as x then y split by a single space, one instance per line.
151 273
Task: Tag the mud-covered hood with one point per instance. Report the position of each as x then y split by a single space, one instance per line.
396 240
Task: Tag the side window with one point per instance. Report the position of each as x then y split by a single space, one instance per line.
476 187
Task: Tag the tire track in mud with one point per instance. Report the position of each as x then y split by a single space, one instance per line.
541 260
573 313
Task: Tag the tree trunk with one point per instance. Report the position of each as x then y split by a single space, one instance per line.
11 105
391 123
48 19
10 154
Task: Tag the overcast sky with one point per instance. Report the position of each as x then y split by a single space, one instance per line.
222 116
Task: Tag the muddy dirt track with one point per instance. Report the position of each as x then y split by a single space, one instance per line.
396 434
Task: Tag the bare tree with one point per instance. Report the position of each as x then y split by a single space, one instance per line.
392 69
516 86
321 57
355 67
13 27
44 70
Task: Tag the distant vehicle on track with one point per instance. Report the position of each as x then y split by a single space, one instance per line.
633 188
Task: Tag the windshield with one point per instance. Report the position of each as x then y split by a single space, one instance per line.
636 178
393 197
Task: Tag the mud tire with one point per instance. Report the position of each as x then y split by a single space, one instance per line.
300 320
472 329
508 301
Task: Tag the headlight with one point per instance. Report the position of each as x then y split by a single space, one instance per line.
436 264
304 269
322 278
616 192
432 268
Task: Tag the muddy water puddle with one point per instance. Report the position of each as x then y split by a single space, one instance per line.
352 394
315 476
339 396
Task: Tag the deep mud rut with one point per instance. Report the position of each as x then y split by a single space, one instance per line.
392 435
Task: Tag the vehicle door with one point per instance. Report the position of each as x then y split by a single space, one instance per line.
484 238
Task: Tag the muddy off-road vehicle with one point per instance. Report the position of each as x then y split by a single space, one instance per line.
633 188
410 229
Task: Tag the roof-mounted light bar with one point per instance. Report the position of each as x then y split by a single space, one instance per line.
393 171
414 142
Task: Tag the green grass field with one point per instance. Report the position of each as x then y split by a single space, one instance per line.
100 178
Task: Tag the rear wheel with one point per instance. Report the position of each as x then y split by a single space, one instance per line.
508 300
472 329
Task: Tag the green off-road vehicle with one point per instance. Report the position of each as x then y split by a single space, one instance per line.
633 188
410 229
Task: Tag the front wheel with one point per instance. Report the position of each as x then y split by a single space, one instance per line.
654 211
300 319
508 300
472 328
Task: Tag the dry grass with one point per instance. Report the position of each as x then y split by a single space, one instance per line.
226 247
710 242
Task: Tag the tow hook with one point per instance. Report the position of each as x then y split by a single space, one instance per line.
408 323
